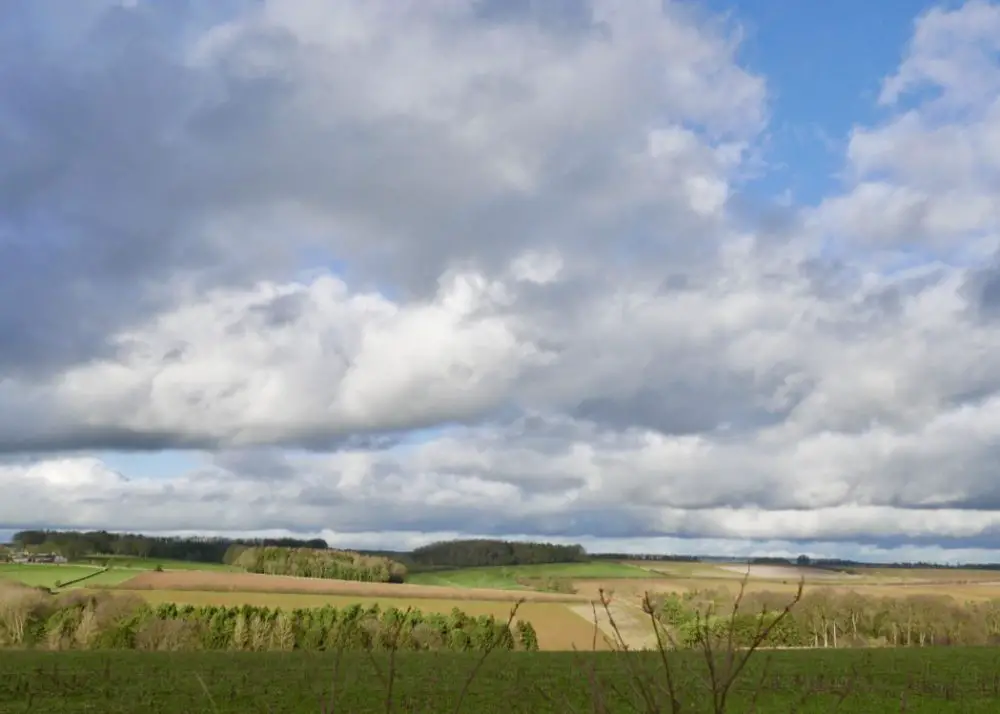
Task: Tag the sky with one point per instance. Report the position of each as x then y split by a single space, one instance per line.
681 277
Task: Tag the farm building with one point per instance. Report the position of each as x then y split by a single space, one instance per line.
38 558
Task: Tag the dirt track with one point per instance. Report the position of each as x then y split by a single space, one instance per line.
254 582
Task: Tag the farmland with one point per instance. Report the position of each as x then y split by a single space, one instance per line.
136 563
51 576
931 679
558 627
918 681
511 577
255 582
558 597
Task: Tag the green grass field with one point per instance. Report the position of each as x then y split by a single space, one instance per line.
506 577
134 563
107 579
923 681
44 575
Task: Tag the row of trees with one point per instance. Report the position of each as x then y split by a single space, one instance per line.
316 563
482 552
651 557
33 619
76 545
448 554
830 618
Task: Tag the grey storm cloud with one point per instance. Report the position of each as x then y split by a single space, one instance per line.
487 267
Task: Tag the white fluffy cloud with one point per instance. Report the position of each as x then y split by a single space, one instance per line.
293 235
929 175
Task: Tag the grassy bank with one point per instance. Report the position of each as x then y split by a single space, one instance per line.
924 681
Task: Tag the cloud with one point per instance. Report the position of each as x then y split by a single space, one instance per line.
294 237
928 174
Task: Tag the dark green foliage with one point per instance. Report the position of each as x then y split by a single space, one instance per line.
481 552
316 563
527 638
917 681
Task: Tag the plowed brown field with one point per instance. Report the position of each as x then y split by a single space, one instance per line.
254 582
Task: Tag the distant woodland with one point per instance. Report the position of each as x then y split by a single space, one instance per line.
481 553
285 555
75 545
302 558
471 553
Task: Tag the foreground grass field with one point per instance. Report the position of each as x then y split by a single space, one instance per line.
917 681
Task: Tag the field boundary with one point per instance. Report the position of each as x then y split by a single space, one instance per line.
88 576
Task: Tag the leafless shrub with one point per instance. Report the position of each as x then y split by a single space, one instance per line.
167 635
17 607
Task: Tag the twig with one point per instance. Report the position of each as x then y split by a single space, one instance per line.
204 688
389 680
482 659
661 647
330 707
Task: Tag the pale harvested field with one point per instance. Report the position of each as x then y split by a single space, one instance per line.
631 626
633 591
930 575
860 575
254 582
736 571
558 628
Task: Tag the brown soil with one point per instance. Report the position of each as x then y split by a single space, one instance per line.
255 582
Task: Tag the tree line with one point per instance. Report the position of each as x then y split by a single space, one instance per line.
30 618
75 545
316 563
467 553
832 618
651 557
476 553
470 553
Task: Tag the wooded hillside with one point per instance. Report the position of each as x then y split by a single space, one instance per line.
482 552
